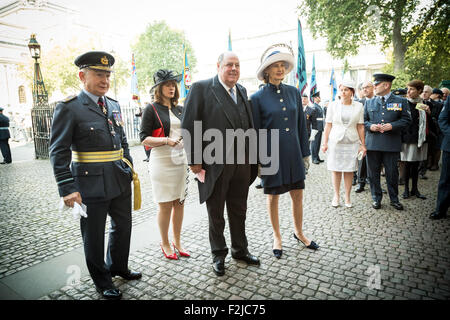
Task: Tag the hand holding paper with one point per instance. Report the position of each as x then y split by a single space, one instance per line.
201 176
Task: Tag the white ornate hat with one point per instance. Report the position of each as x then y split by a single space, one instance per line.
275 53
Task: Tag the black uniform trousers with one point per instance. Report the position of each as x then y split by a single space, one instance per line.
6 150
231 188
362 171
443 197
315 146
374 161
93 232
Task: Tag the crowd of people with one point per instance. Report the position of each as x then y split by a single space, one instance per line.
92 164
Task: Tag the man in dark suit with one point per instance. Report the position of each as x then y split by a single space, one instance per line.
317 126
384 118
308 111
4 137
217 105
91 162
443 198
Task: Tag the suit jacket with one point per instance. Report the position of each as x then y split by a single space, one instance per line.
396 112
339 130
79 125
308 111
4 124
208 102
444 125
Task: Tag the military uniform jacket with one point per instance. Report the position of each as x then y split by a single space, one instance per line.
396 112
308 111
80 125
444 124
317 117
4 124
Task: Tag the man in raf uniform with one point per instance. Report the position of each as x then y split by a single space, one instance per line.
308 111
317 125
4 137
92 165
384 118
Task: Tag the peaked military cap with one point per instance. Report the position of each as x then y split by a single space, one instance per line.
382 77
400 92
437 91
98 60
316 94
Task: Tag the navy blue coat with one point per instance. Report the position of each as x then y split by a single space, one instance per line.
396 112
79 125
283 111
444 125
4 124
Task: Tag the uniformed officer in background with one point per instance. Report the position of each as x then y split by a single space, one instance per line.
4 137
317 125
88 152
307 110
384 118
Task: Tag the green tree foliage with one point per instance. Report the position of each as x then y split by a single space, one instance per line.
399 24
61 74
160 47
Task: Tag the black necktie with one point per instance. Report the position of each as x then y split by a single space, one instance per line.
102 106
382 101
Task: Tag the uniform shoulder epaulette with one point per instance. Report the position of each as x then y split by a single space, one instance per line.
69 98
111 99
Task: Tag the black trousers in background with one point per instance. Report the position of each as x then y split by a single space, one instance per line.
412 171
93 232
6 150
362 171
231 189
443 197
374 161
315 146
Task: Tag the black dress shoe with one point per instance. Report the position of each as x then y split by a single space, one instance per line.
418 195
359 188
406 194
110 294
127 275
436 215
376 205
312 245
258 186
320 160
397 205
277 253
316 161
219 267
249 258
383 191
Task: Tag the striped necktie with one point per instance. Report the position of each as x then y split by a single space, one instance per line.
233 95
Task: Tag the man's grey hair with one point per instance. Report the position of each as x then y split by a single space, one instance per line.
223 54
427 88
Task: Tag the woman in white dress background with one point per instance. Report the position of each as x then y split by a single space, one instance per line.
168 164
344 139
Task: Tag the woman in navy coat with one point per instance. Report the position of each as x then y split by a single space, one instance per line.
277 106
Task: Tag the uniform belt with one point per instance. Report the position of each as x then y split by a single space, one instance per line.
109 156
319 118
4 128
97 156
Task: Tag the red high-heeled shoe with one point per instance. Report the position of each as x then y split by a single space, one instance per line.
172 256
183 254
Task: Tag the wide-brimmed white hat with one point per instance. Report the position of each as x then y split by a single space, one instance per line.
276 53
349 83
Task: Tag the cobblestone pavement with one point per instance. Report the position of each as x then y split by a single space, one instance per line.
364 253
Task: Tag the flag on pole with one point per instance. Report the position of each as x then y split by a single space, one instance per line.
186 79
134 82
313 89
301 62
333 85
229 41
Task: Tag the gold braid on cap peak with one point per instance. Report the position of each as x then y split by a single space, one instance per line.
277 45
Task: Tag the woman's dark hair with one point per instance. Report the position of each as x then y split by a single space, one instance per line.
418 84
159 94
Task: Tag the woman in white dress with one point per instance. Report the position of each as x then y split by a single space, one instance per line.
168 164
344 139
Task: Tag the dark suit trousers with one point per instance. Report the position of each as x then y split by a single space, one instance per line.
443 197
362 171
6 150
93 232
374 161
231 188
315 146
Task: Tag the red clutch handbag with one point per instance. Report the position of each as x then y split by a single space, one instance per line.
158 133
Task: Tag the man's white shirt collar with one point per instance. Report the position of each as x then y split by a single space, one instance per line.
227 88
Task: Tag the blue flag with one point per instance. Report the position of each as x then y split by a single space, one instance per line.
333 85
186 79
313 89
229 41
301 62
134 82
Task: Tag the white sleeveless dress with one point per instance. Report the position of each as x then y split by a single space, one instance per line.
168 168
